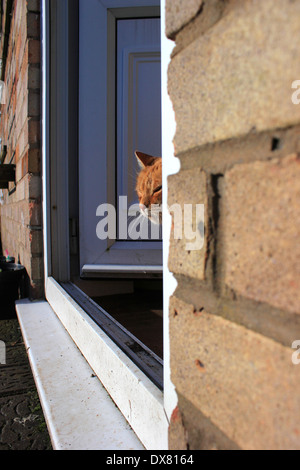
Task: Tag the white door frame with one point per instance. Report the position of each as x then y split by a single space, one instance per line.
170 165
147 409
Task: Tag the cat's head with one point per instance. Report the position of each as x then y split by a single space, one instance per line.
149 186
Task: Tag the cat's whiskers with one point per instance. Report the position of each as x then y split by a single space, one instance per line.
155 213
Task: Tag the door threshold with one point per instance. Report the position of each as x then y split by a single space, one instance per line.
79 413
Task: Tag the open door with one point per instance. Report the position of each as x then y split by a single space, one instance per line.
120 112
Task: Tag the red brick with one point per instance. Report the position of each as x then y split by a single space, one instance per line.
34 161
36 242
35 213
33 131
188 187
177 434
22 207
24 164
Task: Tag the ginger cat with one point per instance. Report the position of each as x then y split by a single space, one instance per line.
149 186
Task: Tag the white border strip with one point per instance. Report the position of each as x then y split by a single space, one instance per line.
170 165
45 134
139 400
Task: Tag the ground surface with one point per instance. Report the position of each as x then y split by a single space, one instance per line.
22 424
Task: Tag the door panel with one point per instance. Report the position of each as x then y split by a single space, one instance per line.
139 98
113 97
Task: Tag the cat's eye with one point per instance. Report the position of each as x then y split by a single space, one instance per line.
157 189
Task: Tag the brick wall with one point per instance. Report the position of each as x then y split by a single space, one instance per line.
236 310
20 131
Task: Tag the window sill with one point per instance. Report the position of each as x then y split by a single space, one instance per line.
139 400
68 387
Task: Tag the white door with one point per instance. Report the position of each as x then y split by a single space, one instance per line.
139 97
119 112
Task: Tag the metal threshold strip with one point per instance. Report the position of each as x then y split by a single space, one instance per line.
118 270
140 354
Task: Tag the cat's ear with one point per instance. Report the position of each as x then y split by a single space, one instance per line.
144 159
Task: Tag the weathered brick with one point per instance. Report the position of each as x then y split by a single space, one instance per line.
33 25
244 383
21 117
36 289
22 207
188 257
22 212
34 106
261 231
179 13
21 188
34 160
34 77
35 217
24 165
199 432
33 5
177 433
23 65
33 131
36 268
34 186
219 157
22 138
36 243
18 166
236 78
34 51
19 14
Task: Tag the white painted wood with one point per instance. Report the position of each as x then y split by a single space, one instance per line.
139 400
170 165
80 414
59 134
45 136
